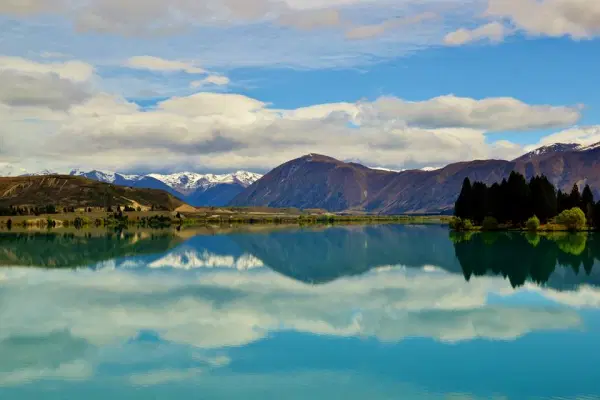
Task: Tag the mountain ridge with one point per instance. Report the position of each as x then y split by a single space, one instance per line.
317 181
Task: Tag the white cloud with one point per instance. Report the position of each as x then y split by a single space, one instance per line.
159 64
490 114
56 86
40 90
362 32
211 80
579 19
581 135
225 131
76 71
494 32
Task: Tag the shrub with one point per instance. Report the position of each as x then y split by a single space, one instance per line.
533 224
573 219
489 224
459 224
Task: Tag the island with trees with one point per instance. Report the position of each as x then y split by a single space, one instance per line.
517 204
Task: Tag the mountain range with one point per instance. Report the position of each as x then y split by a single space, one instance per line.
318 181
193 188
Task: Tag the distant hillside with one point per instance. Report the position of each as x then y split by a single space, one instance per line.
316 181
75 191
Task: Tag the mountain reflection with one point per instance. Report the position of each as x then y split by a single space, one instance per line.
543 259
321 255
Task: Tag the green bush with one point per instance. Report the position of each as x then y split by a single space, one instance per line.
533 224
573 219
459 224
489 224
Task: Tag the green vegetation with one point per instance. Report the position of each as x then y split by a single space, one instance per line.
489 224
533 224
459 224
573 219
517 204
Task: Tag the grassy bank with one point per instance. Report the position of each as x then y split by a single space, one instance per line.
158 219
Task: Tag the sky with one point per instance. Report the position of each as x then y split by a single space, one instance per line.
143 86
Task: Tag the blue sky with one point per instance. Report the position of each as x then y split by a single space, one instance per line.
221 85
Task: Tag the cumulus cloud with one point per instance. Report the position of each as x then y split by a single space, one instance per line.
159 64
40 90
76 71
494 32
56 86
578 19
555 18
223 131
490 114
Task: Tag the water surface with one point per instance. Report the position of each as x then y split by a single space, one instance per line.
375 312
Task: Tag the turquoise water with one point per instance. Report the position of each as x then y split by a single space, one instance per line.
380 312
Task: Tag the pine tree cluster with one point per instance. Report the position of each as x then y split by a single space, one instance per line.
514 201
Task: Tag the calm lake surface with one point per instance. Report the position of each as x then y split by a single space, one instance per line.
376 312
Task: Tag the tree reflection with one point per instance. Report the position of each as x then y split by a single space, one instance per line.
522 257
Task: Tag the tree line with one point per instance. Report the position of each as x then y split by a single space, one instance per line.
14 211
514 201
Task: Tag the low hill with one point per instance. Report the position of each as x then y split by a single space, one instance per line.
75 191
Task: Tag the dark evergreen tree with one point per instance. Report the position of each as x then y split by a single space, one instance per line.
495 202
543 198
587 202
463 206
479 202
574 197
519 198
562 201
596 216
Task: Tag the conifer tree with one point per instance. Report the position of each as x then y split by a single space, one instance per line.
587 202
574 197
479 202
462 208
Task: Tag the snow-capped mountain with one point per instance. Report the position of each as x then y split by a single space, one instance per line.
558 148
189 182
195 189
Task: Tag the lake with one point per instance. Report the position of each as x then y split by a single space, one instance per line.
353 312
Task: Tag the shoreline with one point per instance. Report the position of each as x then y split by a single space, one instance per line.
222 217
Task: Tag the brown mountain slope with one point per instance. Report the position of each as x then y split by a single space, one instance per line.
73 191
323 182
315 181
